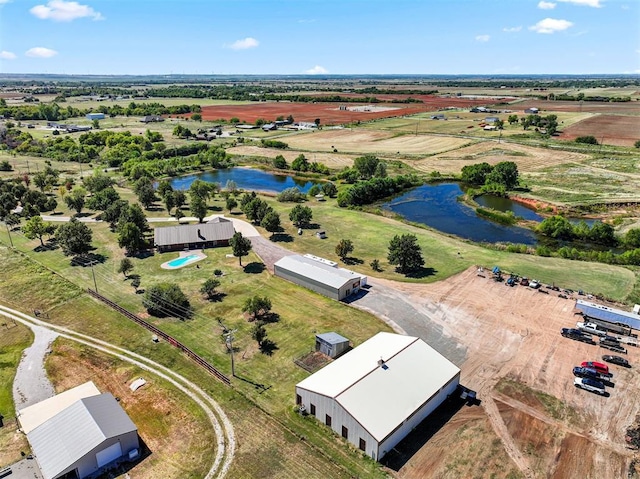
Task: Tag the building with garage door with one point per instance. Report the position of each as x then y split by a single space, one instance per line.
319 275
76 433
375 394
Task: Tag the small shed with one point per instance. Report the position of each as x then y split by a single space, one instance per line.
331 344
95 116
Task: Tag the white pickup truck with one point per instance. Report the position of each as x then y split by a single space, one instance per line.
591 328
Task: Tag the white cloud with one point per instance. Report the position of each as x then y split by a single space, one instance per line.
546 5
585 3
4 1
244 44
551 25
512 29
40 52
4 55
317 70
61 11
483 38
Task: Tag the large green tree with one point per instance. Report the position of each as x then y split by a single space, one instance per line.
557 227
74 237
35 227
504 173
257 306
405 253
75 199
271 222
366 166
240 246
167 299
131 238
344 248
198 207
301 216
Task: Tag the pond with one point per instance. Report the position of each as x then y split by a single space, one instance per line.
436 205
499 203
246 179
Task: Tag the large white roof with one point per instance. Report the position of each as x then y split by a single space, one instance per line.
32 416
317 270
381 398
75 431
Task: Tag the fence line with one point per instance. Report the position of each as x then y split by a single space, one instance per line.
172 341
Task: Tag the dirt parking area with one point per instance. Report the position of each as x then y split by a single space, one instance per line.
521 368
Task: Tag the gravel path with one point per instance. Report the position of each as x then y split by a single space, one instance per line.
31 384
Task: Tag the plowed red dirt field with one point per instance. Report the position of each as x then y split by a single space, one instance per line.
330 113
608 129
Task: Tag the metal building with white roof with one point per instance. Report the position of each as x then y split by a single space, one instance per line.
319 275
76 433
374 395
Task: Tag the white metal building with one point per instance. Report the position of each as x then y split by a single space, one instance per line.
76 433
319 275
374 395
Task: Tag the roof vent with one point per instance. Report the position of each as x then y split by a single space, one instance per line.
380 361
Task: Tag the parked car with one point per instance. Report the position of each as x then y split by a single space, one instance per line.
591 385
534 284
600 367
616 347
581 372
576 334
616 360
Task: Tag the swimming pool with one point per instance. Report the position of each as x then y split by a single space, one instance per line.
176 263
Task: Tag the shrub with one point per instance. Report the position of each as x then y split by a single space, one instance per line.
589 140
291 195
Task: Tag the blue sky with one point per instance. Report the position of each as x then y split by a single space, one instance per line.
320 36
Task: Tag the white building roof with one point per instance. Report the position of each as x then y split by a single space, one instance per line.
318 271
381 398
33 416
68 436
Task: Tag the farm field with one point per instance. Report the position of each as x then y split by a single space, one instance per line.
372 141
330 113
608 129
528 158
332 160
520 366
605 108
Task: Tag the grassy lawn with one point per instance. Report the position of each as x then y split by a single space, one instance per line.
445 255
261 403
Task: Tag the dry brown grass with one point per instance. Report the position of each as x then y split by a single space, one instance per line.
331 160
374 141
528 159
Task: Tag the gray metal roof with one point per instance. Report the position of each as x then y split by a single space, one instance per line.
219 230
606 313
312 269
65 438
332 338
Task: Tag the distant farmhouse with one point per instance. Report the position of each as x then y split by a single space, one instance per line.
319 275
78 432
151 119
532 111
377 393
216 232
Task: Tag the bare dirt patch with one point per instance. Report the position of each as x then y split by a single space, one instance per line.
515 333
608 129
331 160
528 159
374 141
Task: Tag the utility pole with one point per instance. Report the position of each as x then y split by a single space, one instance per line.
229 341
93 273
9 233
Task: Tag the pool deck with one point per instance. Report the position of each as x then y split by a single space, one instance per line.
183 254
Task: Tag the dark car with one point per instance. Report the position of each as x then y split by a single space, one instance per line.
578 335
581 372
616 360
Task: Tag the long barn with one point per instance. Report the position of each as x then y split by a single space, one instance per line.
319 275
374 395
